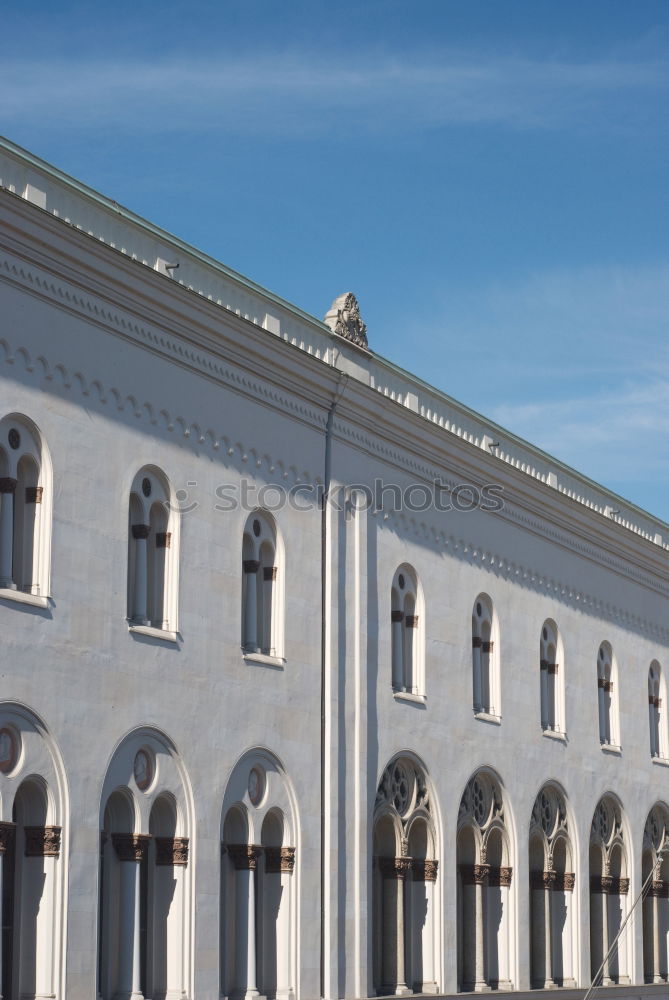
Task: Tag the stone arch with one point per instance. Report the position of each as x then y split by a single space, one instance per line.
153 551
655 875
404 879
486 683
485 901
33 837
609 892
263 586
145 912
26 508
259 870
553 920
407 612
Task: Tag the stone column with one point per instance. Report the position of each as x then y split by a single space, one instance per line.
397 618
130 849
251 567
7 489
394 872
477 670
474 878
42 843
411 624
425 871
486 675
280 862
654 893
606 883
7 834
140 532
245 859
549 882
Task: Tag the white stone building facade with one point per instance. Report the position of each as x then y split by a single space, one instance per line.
273 721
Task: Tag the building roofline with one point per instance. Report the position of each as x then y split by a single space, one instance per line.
347 351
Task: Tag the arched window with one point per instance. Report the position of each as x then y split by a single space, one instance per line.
484 899
405 872
25 508
485 658
144 881
407 629
152 552
607 696
262 587
553 942
655 876
609 895
655 712
551 675
258 875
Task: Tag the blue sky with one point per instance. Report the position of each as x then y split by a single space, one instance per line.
490 178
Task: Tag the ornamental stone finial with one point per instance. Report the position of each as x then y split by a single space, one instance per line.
344 318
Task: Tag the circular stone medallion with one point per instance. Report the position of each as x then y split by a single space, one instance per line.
9 749
256 785
143 769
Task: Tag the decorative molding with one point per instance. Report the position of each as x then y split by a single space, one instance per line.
42 841
7 484
477 642
500 876
172 851
244 856
279 860
269 573
251 565
7 836
543 880
564 881
424 870
397 616
130 846
411 621
500 565
163 539
140 531
395 868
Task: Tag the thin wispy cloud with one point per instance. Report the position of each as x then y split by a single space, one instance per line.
289 93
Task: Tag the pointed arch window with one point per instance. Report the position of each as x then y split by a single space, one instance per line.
485 658
262 587
152 552
25 508
407 630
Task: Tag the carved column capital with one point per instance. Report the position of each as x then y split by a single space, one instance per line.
397 616
130 846
7 834
397 868
474 874
279 860
500 876
269 573
7 484
565 882
411 621
476 642
172 851
543 880
42 841
34 494
163 539
251 565
620 886
244 856
425 870
141 531
601 883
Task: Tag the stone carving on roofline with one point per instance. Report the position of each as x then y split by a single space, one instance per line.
344 318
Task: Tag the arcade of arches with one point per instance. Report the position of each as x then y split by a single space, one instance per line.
145 925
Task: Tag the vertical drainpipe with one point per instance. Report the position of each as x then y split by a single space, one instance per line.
325 655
